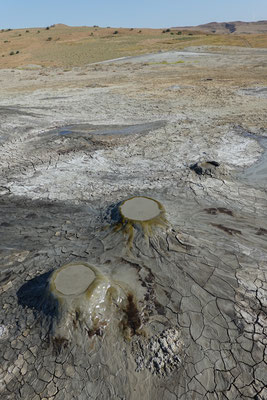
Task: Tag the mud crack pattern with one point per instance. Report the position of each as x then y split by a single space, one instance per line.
198 327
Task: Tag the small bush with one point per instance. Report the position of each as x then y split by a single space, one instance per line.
17 52
27 31
38 31
172 33
95 26
47 28
11 53
5 41
131 29
91 34
20 34
115 32
3 55
49 39
179 33
139 31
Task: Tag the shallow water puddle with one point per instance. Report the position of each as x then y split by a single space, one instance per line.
90 129
256 174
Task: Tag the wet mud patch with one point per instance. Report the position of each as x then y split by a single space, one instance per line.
257 91
230 231
256 174
85 130
219 210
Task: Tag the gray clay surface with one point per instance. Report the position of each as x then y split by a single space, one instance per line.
194 326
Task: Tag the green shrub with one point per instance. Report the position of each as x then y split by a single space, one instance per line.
115 32
49 39
11 53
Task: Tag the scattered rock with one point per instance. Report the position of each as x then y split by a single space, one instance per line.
204 168
161 354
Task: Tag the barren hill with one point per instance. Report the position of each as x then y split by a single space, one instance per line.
237 27
67 46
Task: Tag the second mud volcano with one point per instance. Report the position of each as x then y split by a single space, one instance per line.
143 213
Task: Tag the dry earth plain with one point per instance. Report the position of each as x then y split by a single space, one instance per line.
189 319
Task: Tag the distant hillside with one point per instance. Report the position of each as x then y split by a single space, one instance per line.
236 27
65 46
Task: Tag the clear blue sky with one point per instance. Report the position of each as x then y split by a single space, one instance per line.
127 13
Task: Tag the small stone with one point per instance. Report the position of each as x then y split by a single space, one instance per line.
70 371
58 370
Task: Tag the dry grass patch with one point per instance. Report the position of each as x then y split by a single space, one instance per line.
65 46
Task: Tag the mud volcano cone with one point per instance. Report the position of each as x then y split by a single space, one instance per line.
142 214
86 300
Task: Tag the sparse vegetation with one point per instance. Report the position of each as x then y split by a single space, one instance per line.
11 53
49 39
77 42
115 32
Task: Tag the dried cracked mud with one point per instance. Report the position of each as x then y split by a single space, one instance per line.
188 317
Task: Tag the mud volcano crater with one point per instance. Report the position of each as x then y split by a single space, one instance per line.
139 214
79 300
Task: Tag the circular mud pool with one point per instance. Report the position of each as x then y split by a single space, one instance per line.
73 279
140 209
